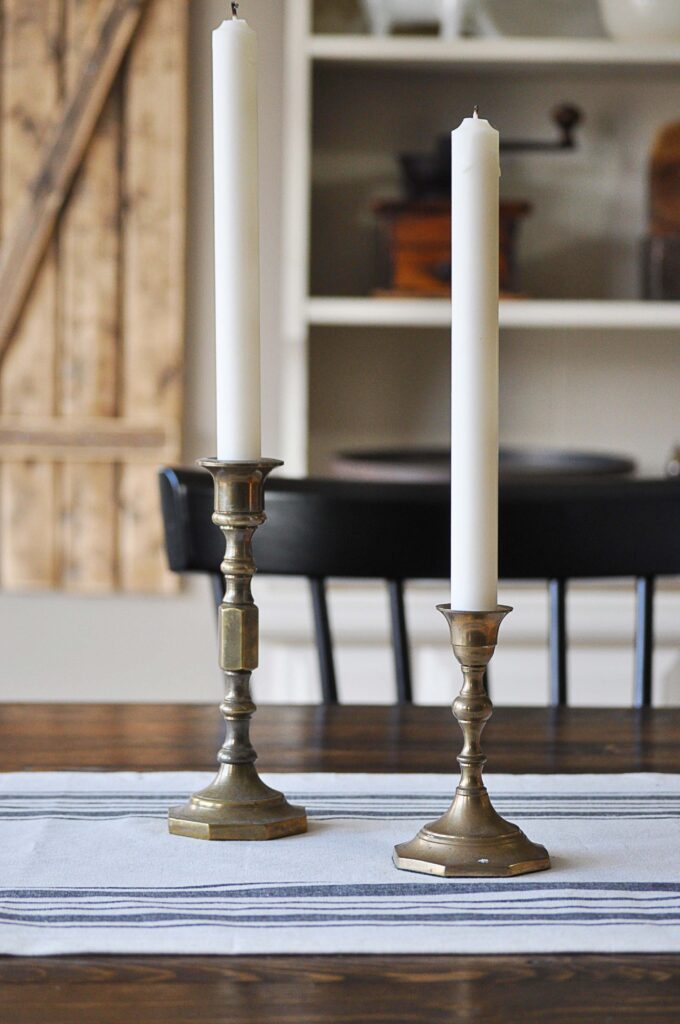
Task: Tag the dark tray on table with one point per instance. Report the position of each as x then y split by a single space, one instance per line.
433 464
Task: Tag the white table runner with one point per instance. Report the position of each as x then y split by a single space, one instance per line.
87 865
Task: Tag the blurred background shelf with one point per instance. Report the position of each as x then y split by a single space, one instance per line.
585 315
481 54
580 360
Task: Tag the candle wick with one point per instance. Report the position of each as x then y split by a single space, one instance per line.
475 111
234 10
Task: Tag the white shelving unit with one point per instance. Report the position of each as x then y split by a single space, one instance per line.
524 314
307 56
482 54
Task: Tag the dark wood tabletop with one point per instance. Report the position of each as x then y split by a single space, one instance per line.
564 989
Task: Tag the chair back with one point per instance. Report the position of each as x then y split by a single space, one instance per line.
553 532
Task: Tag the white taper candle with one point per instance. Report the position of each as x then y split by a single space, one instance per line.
475 172
237 250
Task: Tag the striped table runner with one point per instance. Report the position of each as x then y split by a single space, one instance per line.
87 865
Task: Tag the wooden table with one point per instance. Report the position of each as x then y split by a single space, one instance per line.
338 989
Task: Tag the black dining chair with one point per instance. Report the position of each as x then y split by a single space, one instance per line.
550 531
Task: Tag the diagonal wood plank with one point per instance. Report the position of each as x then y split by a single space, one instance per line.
34 227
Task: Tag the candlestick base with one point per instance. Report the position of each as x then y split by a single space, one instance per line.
238 804
471 839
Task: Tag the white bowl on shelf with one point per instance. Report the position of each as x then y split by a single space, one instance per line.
649 21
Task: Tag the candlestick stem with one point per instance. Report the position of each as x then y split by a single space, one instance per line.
237 804
471 839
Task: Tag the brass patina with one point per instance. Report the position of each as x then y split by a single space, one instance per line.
237 804
471 839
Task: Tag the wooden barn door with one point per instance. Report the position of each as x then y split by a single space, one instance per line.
92 219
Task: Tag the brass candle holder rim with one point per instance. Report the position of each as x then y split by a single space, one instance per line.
504 608
212 462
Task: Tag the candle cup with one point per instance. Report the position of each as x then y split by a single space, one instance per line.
237 804
471 839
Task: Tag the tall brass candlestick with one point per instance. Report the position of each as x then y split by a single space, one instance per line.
237 804
471 839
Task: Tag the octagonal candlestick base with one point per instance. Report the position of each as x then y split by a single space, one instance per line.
471 839
238 804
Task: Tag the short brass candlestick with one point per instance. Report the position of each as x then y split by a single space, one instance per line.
237 804
471 839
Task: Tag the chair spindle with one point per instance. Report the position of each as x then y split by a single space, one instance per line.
558 641
400 645
644 640
324 642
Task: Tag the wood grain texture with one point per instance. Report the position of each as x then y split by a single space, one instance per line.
41 204
566 989
30 94
387 738
85 438
89 258
87 519
92 211
342 990
153 274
